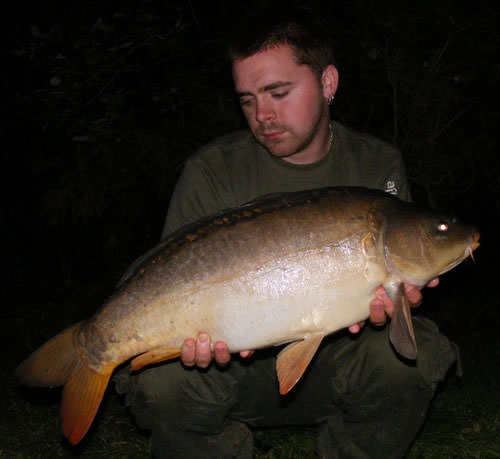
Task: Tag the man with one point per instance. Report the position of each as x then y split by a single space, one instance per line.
367 402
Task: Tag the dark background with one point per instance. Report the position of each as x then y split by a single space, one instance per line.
104 100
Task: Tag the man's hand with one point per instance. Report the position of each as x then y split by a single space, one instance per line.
382 305
198 352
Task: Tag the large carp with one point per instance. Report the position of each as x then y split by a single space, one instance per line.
291 268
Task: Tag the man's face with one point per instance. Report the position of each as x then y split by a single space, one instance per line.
284 103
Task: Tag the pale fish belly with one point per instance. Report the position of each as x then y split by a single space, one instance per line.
289 298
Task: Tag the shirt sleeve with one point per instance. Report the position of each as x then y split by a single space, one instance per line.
389 171
397 180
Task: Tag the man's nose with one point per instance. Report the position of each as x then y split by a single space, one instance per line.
264 112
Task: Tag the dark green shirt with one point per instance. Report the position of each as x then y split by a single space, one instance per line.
235 169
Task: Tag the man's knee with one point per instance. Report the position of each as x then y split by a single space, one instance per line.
186 410
178 397
380 399
435 353
147 392
371 365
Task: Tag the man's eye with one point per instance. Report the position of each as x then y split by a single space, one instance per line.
279 95
244 102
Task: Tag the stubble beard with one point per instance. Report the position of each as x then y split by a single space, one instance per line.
284 147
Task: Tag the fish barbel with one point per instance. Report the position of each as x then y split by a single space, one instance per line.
290 268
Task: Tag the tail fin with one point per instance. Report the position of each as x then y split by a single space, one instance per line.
51 364
58 363
81 398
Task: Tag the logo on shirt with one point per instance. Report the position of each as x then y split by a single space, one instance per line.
390 187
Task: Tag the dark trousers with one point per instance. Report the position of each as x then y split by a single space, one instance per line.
366 401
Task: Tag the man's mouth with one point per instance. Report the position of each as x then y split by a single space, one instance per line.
273 135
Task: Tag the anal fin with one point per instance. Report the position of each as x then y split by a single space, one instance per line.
293 360
156 355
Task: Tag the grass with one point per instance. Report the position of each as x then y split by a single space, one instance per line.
461 424
464 422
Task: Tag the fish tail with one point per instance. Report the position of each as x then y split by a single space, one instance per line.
52 364
81 398
58 363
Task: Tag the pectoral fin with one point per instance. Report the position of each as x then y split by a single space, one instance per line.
293 360
401 331
159 354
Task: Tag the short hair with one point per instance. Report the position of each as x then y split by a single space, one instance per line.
308 39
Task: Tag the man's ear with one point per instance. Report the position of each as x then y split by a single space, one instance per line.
330 81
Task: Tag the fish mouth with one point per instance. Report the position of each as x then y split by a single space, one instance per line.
473 246
468 252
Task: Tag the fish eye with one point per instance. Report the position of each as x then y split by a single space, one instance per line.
442 227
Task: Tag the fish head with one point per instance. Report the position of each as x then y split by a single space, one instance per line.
421 244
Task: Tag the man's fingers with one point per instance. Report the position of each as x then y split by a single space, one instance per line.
356 328
203 353
413 294
199 352
221 353
378 311
433 282
188 352
381 307
246 354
